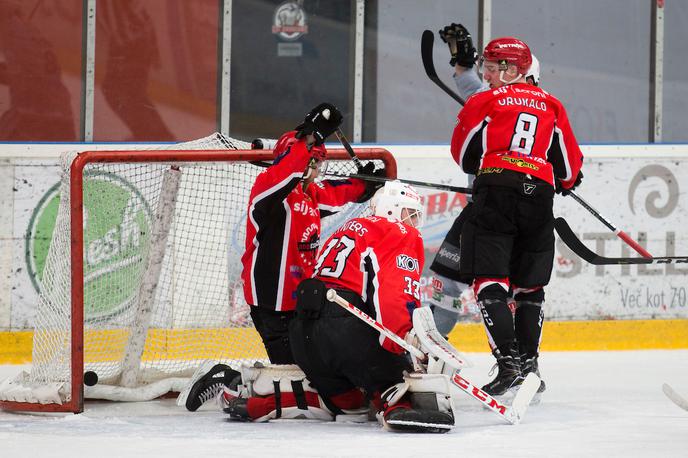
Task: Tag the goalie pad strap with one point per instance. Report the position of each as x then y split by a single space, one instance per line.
297 388
299 396
278 399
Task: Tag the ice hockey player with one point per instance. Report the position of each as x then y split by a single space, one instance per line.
285 208
507 241
375 264
449 289
283 224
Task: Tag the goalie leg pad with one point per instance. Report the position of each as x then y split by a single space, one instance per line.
275 391
429 391
422 403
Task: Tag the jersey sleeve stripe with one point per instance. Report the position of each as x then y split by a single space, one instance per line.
279 300
373 283
564 153
259 200
364 290
331 208
477 128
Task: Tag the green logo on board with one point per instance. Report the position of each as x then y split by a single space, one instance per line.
117 221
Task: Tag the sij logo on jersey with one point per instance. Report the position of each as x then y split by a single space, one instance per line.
406 262
305 209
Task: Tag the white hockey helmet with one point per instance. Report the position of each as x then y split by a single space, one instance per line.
397 200
534 70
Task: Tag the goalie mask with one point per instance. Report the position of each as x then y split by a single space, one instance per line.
396 200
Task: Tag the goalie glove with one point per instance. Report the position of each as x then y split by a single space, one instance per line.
460 45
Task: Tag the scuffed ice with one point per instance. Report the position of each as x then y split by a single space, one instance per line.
596 404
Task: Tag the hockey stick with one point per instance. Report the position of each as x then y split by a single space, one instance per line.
675 397
572 241
621 234
426 44
332 296
513 414
347 146
422 184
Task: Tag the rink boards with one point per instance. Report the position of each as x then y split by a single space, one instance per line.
15 347
637 187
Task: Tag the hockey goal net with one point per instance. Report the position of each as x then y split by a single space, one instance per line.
142 279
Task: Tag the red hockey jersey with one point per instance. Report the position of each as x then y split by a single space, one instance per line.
283 227
381 260
517 127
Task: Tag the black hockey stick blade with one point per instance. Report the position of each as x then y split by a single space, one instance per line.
426 44
577 246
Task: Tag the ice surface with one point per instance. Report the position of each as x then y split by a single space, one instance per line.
603 404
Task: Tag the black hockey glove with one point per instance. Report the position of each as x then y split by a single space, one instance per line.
321 121
371 186
460 45
565 192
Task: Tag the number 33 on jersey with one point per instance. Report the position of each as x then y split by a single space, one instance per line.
381 260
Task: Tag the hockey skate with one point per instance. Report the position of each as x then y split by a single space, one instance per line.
528 365
209 385
508 374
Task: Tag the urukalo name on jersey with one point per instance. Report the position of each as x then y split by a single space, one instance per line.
523 102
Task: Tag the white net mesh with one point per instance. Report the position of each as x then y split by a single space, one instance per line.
196 309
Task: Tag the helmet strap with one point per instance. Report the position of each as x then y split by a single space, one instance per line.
516 78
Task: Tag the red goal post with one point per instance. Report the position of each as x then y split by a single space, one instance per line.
122 210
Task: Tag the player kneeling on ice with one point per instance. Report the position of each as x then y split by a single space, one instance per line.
374 263
283 224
